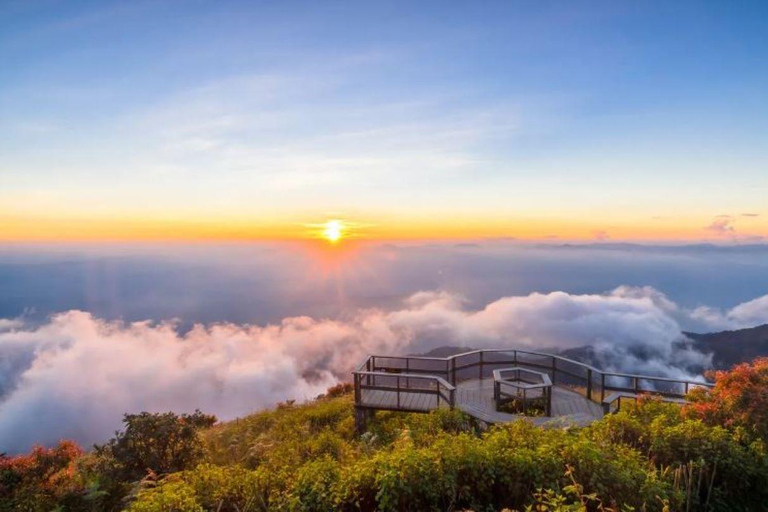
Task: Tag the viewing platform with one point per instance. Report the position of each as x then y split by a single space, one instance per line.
480 382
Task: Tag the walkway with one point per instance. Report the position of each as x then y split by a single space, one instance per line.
581 393
475 397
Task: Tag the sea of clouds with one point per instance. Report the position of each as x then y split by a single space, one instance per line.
75 375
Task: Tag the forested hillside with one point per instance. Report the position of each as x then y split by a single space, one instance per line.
732 347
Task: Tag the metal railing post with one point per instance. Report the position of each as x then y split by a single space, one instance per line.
481 365
357 388
589 384
372 361
554 369
407 370
549 401
602 387
398 391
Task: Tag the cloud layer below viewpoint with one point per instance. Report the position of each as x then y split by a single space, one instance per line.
76 375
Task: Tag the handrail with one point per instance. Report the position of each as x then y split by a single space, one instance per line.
449 368
442 381
438 392
545 380
554 356
617 396
515 381
660 379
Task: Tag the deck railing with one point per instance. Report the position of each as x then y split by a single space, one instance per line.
516 383
403 384
445 372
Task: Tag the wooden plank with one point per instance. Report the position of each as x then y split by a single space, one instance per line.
475 397
381 398
419 401
370 397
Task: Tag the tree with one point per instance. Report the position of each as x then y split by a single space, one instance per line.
154 443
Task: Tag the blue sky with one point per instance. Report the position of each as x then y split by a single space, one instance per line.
629 120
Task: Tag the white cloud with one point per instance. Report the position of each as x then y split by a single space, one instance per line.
747 314
76 375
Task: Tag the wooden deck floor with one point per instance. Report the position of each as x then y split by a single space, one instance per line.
475 397
387 400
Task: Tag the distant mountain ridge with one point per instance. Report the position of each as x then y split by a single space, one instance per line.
732 347
675 248
727 347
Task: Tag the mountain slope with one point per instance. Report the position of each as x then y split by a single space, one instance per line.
733 347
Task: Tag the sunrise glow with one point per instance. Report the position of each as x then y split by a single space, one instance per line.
333 231
273 146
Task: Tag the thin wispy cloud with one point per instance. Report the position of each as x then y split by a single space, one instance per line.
725 227
722 225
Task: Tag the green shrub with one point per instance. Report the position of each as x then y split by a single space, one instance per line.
208 487
315 486
707 465
288 436
172 495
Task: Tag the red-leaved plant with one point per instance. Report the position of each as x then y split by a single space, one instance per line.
739 399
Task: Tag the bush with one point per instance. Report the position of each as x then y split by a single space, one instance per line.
706 464
208 487
340 389
285 437
156 443
42 479
739 400
315 486
174 495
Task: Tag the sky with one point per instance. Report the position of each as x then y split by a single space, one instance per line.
232 120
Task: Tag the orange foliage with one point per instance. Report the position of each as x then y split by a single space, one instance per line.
738 400
50 471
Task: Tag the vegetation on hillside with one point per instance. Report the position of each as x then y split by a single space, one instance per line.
729 348
710 455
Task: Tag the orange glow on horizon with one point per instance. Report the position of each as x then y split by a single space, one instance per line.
336 230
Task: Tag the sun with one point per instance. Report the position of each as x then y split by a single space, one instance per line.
333 230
